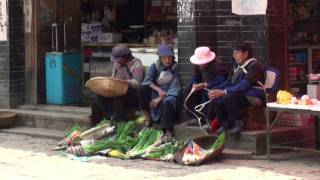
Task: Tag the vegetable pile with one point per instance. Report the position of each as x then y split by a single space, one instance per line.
126 140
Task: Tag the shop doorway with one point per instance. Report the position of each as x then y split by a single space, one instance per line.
38 41
142 24
294 41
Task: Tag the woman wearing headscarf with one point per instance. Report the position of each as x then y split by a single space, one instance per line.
160 92
125 67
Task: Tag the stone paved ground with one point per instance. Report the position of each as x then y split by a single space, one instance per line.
24 157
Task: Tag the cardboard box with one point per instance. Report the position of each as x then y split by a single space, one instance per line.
85 28
95 27
313 91
110 37
85 37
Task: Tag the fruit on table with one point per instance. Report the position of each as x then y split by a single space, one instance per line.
302 102
284 97
294 100
305 98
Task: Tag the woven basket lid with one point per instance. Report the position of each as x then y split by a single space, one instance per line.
107 86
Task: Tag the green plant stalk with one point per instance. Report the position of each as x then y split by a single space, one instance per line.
146 139
219 141
76 127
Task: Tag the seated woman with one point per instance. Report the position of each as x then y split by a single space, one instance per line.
208 73
160 92
126 67
240 90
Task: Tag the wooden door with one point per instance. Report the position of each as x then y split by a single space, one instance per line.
278 38
38 41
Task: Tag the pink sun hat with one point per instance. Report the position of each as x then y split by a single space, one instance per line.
202 55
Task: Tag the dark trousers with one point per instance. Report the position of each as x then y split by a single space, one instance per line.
113 108
197 98
228 109
144 96
168 113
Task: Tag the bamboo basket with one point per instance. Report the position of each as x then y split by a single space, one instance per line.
204 142
7 119
107 86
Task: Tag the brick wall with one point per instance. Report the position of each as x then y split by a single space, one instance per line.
186 37
231 28
4 74
12 70
215 26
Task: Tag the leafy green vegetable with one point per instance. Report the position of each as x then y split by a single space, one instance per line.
147 137
127 130
101 145
103 121
171 147
219 141
76 127
123 141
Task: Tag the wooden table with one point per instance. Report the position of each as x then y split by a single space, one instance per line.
279 109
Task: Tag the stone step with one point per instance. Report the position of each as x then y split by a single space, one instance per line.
253 141
64 117
57 108
59 135
36 132
49 119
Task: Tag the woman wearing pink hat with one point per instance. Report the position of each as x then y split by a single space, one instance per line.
208 73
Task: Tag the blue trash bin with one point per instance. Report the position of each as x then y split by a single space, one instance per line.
63 78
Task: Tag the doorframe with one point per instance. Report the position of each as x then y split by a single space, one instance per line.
31 57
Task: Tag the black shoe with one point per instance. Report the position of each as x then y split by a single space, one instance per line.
237 128
220 130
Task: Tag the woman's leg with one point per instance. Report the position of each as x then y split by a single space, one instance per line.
119 108
168 117
222 113
100 108
234 103
144 96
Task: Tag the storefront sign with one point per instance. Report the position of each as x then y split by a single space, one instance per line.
249 7
27 11
3 20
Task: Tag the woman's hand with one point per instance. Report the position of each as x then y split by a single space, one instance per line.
199 86
155 102
216 93
156 88
162 93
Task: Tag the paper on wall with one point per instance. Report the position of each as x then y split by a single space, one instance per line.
249 7
27 11
3 20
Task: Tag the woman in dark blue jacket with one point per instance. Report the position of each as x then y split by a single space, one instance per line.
242 89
